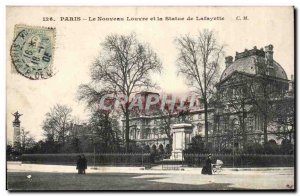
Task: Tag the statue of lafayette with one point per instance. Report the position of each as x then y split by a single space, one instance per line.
17 116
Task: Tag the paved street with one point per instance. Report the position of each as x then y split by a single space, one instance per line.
113 178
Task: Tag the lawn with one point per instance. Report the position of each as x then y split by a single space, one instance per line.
18 181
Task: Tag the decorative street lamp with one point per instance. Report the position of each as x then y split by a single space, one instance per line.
233 145
94 154
92 138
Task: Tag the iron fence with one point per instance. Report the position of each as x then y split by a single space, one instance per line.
114 159
172 161
147 159
241 160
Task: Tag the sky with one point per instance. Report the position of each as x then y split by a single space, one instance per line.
77 44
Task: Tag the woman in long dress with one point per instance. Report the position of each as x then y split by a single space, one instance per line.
207 169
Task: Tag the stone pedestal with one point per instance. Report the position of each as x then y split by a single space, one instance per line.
17 131
181 137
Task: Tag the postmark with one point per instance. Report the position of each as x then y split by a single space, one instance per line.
32 51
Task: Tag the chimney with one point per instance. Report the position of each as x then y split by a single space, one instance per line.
269 55
228 61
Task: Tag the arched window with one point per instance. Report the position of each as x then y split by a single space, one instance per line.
161 149
153 148
138 134
147 149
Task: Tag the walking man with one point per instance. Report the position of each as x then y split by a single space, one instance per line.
79 164
84 163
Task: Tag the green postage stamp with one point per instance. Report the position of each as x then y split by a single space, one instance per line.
32 51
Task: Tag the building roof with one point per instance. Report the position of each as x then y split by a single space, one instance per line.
247 62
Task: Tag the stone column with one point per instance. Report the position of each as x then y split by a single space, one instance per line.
16 125
181 137
17 131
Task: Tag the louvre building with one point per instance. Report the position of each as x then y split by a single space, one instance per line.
253 103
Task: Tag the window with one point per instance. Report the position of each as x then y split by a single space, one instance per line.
200 128
192 117
138 136
200 116
146 133
250 124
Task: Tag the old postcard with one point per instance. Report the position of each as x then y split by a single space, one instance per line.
150 98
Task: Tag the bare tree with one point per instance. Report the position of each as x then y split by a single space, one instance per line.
123 67
167 118
286 118
105 131
26 141
265 94
238 102
198 60
57 123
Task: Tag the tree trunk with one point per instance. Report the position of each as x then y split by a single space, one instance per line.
127 130
265 129
206 121
244 127
244 133
170 139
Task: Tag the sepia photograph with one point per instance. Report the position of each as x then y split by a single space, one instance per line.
150 98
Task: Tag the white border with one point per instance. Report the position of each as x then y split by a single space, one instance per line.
4 3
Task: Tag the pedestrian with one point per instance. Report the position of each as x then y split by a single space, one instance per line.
84 163
79 164
152 155
207 168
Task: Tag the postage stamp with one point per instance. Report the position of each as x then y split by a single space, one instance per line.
32 51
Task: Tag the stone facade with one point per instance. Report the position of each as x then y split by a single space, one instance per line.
234 117
248 94
148 130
